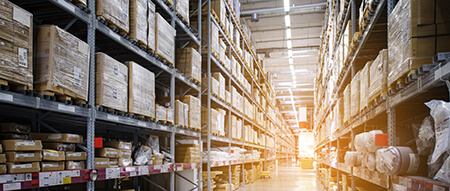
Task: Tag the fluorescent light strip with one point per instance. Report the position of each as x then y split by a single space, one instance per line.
289 44
291 61
287 20
290 53
286 5
288 33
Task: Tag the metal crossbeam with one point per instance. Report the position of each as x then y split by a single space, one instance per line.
153 183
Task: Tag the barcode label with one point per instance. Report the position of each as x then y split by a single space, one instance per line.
77 76
112 117
66 108
6 97
23 57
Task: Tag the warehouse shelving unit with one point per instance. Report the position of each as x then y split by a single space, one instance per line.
45 113
428 82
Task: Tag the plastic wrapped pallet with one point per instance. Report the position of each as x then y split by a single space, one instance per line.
378 76
141 90
416 31
227 96
360 142
16 38
62 63
355 92
378 160
179 113
194 111
347 103
160 113
189 62
219 8
111 83
165 39
222 118
364 86
116 12
151 14
182 8
142 155
138 21
170 118
214 118
219 77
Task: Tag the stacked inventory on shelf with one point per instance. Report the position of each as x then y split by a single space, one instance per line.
382 71
116 86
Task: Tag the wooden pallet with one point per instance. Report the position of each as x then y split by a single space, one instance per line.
61 97
163 58
14 86
140 116
113 26
400 83
376 99
184 20
110 110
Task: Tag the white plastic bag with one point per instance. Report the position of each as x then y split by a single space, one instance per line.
379 161
360 142
444 173
440 111
425 139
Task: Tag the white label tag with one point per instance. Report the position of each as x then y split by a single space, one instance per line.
143 170
67 5
130 169
180 168
22 17
111 152
19 166
66 108
25 143
182 131
133 173
74 154
49 179
6 97
12 186
112 117
52 154
18 155
23 57
50 165
77 76
112 173
141 123
163 127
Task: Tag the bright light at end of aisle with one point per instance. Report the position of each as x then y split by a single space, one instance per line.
291 61
291 67
290 53
286 5
287 20
289 44
288 33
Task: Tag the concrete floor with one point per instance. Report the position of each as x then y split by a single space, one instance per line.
287 178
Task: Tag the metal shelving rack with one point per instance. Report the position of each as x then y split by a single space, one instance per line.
386 112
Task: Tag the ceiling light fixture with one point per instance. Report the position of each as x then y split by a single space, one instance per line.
287 20
289 44
291 67
286 5
290 53
288 33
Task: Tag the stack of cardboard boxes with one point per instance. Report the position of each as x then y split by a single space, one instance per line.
187 153
124 153
22 155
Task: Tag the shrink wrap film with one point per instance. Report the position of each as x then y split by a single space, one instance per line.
75 165
142 155
125 162
160 113
227 96
179 113
16 49
355 92
221 84
378 160
116 12
378 76
62 63
360 142
151 18
347 103
364 86
369 161
170 115
165 39
182 8
221 121
141 90
153 142
111 83
188 61
194 118
138 20
214 120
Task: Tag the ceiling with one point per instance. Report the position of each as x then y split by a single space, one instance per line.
293 82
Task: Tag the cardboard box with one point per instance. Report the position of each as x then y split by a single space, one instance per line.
179 113
2 158
101 162
5 136
53 155
3 169
75 165
219 77
182 8
57 137
364 86
21 145
62 63
194 111
52 166
138 21
16 51
125 153
378 76
165 39
188 61
355 93
118 145
111 86
75 156
14 168
151 14
108 152
59 146
347 103
160 113
19 156
116 12
113 163
141 90
125 162
14 128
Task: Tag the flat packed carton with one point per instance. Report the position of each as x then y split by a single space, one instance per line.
75 156
23 156
58 137
14 128
108 152
165 39
59 146
62 63
113 163
118 145
16 51
141 90
101 162
53 155
221 83
52 166
14 168
125 153
347 102
2 158
3 169
125 162
21 145
116 12
4 136
138 21
188 61
194 111
75 165
111 86
151 26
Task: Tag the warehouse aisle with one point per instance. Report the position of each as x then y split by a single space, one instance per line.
287 178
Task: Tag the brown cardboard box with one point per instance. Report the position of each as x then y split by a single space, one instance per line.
2 158
125 153
138 21
28 156
5 136
21 145
14 168
53 155
59 146
3 169
108 152
75 165
125 162
16 37
62 63
113 163
116 12
194 118
118 145
58 137
141 90
101 162
165 41
111 83
52 166
189 62
75 156
14 128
